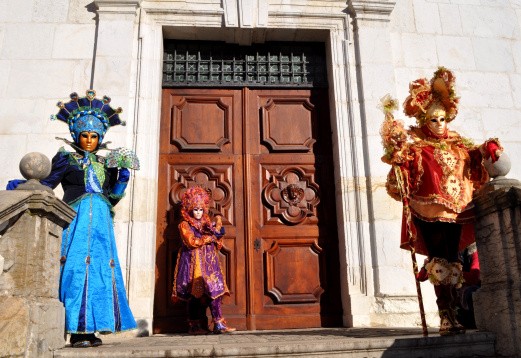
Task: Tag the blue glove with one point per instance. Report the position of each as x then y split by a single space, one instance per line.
118 191
219 234
123 175
13 184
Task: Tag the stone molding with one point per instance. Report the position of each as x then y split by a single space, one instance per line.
501 198
117 6
326 21
15 202
371 10
184 17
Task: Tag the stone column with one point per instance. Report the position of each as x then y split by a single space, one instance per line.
497 304
32 319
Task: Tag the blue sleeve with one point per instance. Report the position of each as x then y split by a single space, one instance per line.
60 163
13 184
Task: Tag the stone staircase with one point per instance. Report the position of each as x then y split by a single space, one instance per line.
325 342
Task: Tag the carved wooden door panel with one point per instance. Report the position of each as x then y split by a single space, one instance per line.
200 144
294 258
265 156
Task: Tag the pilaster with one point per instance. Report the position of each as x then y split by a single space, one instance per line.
371 10
115 46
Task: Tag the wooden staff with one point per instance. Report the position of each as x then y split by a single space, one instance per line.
408 220
393 138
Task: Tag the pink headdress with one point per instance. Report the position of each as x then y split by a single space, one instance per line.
195 197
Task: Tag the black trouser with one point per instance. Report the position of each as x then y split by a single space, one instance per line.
441 238
442 241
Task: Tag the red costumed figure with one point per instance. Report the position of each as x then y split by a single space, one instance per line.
435 173
198 278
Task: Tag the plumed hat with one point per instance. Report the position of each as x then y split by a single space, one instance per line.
428 98
88 114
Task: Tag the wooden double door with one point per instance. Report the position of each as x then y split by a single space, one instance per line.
265 157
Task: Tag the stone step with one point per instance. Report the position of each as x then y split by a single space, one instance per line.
324 342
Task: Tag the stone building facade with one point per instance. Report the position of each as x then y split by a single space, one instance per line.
373 47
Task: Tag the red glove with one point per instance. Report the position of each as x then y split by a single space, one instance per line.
491 150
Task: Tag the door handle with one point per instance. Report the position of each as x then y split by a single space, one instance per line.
257 244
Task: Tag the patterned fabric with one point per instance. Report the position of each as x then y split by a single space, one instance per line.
87 122
440 185
122 158
442 272
198 270
434 175
91 283
440 174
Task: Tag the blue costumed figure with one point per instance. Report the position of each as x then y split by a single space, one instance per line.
91 283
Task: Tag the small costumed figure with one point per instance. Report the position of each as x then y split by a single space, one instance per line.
91 283
435 173
198 278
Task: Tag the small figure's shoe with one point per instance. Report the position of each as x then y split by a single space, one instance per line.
220 327
194 328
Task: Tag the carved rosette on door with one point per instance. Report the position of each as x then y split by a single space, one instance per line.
291 195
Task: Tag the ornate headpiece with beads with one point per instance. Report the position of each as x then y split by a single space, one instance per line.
195 197
434 97
88 114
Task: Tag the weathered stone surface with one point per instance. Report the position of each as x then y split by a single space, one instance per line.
497 304
30 327
14 325
31 317
33 244
35 166
309 343
500 168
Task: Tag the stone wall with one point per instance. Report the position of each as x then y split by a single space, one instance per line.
49 49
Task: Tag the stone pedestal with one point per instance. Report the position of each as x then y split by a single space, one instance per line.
497 304
32 319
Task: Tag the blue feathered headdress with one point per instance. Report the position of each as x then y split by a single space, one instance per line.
88 114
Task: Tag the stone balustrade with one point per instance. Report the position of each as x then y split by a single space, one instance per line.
31 223
497 304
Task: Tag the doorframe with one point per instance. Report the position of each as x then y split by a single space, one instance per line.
353 228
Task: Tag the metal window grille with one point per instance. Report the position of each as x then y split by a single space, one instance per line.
216 64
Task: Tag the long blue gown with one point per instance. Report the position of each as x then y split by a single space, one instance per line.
91 283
